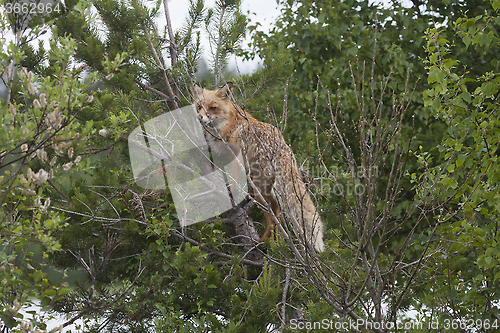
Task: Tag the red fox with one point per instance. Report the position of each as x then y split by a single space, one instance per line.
269 161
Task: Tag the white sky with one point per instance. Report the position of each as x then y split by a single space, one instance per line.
263 11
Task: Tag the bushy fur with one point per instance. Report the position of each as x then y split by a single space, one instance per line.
270 161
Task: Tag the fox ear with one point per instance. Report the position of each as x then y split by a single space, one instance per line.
196 90
225 91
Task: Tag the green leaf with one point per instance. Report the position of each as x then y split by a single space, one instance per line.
460 160
466 96
489 88
449 182
63 291
50 292
467 40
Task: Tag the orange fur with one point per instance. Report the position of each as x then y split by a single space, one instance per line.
268 159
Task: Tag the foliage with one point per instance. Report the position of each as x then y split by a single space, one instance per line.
332 64
365 101
40 140
467 100
122 237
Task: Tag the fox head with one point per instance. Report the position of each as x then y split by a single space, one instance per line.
214 107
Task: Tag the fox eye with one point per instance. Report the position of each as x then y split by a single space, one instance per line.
199 106
212 108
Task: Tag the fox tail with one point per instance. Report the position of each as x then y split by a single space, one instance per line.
300 210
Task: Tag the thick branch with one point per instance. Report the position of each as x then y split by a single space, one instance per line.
215 252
